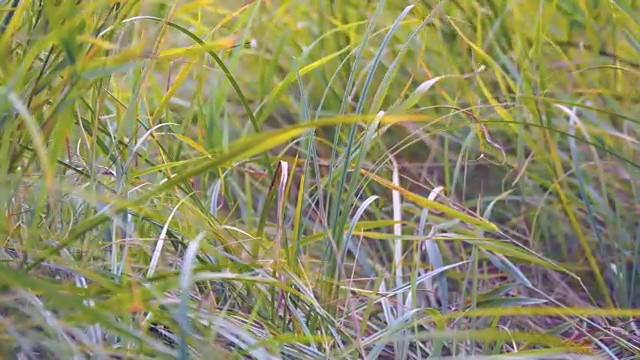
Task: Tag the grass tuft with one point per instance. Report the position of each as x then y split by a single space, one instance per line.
299 179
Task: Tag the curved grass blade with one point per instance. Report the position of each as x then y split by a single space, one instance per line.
220 63
429 204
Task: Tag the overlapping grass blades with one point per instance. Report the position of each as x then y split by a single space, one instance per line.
298 179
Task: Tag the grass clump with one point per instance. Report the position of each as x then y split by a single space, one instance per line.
300 179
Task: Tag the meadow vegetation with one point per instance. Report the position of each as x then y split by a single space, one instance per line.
296 179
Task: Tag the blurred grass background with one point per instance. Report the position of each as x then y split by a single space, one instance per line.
319 179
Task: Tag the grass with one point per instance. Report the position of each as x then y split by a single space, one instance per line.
320 179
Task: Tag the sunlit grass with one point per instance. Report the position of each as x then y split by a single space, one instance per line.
298 179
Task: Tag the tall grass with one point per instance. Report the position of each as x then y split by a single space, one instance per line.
319 179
